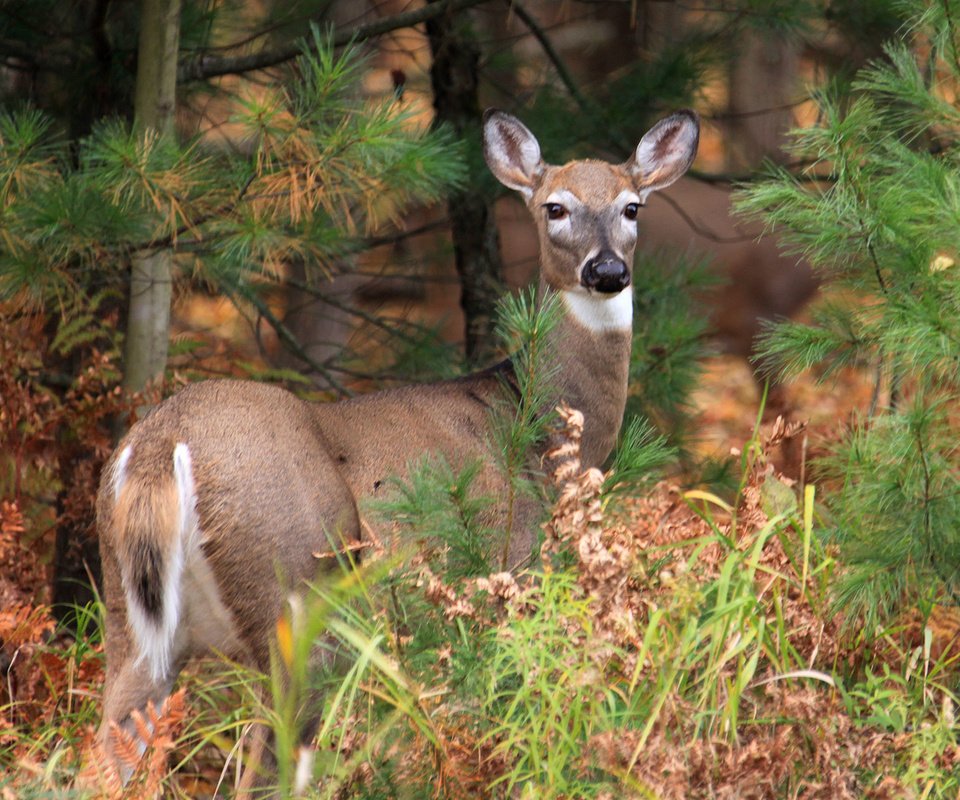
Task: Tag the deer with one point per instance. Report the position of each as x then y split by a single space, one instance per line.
229 484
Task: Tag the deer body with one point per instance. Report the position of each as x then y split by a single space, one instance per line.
214 505
370 435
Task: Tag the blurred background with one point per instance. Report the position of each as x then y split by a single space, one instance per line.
314 207
295 192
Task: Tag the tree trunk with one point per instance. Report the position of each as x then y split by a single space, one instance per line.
148 323
76 557
453 76
763 85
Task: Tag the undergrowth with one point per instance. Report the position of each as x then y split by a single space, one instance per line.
671 646
670 643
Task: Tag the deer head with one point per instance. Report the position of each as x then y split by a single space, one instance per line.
586 211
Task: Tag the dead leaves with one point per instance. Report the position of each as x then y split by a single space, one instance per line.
139 753
611 559
501 589
606 554
806 728
11 520
24 624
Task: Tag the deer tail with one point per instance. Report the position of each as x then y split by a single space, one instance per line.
154 523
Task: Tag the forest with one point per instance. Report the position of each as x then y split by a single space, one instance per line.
750 589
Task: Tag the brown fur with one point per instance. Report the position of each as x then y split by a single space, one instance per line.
145 518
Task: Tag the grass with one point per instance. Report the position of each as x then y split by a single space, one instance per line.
670 646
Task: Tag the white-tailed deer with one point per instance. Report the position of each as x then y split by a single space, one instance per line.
229 484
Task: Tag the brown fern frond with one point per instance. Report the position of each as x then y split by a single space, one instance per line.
98 774
173 712
145 751
438 593
24 624
167 724
141 725
11 518
606 554
125 749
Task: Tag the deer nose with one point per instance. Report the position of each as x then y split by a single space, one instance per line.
605 273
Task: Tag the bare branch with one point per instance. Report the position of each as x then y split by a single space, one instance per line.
706 233
287 338
202 67
558 64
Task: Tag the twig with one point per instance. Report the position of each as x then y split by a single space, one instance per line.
350 309
706 233
876 263
168 240
205 66
797 169
928 526
370 242
290 341
875 394
562 72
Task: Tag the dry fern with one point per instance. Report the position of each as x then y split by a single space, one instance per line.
606 554
143 753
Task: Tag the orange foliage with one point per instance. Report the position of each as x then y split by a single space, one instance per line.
54 435
142 752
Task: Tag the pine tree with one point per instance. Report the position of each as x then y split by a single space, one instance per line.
877 211
323 168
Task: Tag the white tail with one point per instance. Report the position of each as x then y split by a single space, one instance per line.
217 503
156 524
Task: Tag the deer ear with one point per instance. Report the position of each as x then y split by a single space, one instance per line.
511 151
666 151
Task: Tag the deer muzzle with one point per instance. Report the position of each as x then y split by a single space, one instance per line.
605 273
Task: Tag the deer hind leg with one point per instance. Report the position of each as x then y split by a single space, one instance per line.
130 685
259 777
132 688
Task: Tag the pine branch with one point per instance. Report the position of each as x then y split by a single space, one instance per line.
558 64
170 239
951 34
931 544
203 67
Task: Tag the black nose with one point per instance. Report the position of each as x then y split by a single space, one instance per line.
605 273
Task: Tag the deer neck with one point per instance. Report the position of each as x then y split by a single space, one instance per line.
591 347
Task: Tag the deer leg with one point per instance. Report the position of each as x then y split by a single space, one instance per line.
260 766
129 690
259 775
258 779
129 686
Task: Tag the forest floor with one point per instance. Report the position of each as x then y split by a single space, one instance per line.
54 678
728 397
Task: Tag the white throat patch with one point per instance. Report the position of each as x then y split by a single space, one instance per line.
599 313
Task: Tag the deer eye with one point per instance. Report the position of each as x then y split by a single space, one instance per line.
555 211
631 210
